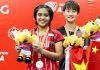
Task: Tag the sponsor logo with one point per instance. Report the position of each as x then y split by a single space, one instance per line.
10 32
55 6
52 4
2 54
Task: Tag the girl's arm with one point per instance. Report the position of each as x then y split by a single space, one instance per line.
57 55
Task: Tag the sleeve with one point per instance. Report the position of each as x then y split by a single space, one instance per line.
58 36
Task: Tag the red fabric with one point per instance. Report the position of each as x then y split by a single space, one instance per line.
91 59
76 56
48 64
94 58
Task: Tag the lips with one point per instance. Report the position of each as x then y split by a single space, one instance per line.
42 21
70 17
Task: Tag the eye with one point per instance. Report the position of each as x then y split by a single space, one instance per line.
46 15
74 11
68 10
39 14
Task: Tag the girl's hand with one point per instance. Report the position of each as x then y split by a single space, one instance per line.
37 48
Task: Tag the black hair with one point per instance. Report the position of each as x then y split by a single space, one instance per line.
50 11
98 17
71 4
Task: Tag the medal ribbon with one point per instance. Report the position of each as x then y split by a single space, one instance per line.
43 39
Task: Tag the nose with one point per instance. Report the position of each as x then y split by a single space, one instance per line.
70 13
42 16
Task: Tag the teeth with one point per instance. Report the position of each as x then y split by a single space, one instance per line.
70 17
42 21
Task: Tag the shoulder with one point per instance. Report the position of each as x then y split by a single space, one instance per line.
55 31
57 35
61 28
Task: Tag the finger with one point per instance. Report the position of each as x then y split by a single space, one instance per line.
34 47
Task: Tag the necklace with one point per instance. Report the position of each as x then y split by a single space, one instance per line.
67 31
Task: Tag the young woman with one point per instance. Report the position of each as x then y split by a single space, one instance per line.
71 10
49 49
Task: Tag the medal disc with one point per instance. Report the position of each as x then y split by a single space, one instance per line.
39 64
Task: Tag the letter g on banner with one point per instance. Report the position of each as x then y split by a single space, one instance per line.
4 9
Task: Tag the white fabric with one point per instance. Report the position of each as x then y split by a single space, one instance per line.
67 58
26 52
98 21
98 39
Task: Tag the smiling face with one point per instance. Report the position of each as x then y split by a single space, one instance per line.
43 17
70 15
70 10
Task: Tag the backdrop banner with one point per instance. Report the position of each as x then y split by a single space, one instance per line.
19 14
